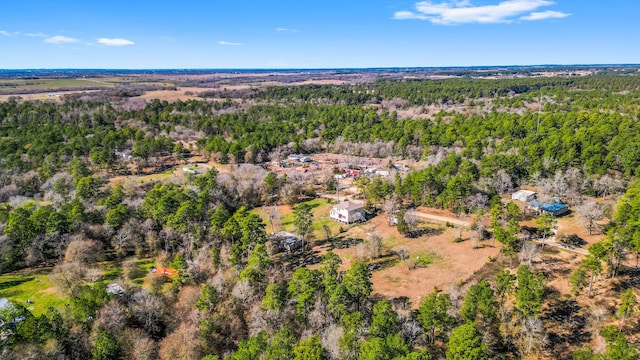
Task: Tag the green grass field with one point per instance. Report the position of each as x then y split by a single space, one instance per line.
13 85
321 208
36 287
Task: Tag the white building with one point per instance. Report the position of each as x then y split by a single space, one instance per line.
115 289
347 212
524 195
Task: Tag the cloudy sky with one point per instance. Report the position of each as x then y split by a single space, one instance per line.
316 34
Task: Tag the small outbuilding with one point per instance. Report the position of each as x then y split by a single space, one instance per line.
288 241
352 172
348 212
524 195
115 289
554 209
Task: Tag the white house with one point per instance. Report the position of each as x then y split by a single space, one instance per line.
347 212
524 195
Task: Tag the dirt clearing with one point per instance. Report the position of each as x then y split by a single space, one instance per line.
452 263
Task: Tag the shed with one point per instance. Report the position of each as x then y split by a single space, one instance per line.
289 241
524 195
115 289
554 209
352 172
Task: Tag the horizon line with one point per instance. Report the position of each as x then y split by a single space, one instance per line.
324 68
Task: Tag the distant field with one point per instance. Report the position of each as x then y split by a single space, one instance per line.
20 86
15 86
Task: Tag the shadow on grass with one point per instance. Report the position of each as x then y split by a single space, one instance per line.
344 243
297 258
420 232
12 283
384 262
11 293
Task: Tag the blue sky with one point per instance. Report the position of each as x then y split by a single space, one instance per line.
315 34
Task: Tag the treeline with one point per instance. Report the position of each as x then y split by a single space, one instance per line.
45 136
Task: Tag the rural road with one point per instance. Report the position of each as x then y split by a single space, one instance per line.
551 242
439 218
547 242
419 214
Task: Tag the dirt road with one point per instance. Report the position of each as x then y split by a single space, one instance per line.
552 242
443 219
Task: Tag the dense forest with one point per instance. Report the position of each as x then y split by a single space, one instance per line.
236 295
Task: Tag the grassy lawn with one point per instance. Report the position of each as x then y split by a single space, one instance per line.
423 259
36 287
321 208
143 266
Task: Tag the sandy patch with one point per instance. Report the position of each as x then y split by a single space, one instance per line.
454 262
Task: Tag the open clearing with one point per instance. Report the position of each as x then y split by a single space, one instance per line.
34 286
452 263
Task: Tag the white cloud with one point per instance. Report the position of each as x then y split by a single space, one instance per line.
281 29
36 34
59 39
228 43
114 42
8 33
543 15
463 12
408 15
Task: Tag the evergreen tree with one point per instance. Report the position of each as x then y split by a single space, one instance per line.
465 343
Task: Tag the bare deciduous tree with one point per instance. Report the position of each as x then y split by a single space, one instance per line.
411 220
411 330
502 182
391 206
529 253
532 335
375 245
403 254
331 341
138 346
243 291
184 343
112 318
274 218
148 311
606 185
589 213
82 251
476 201
67 276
